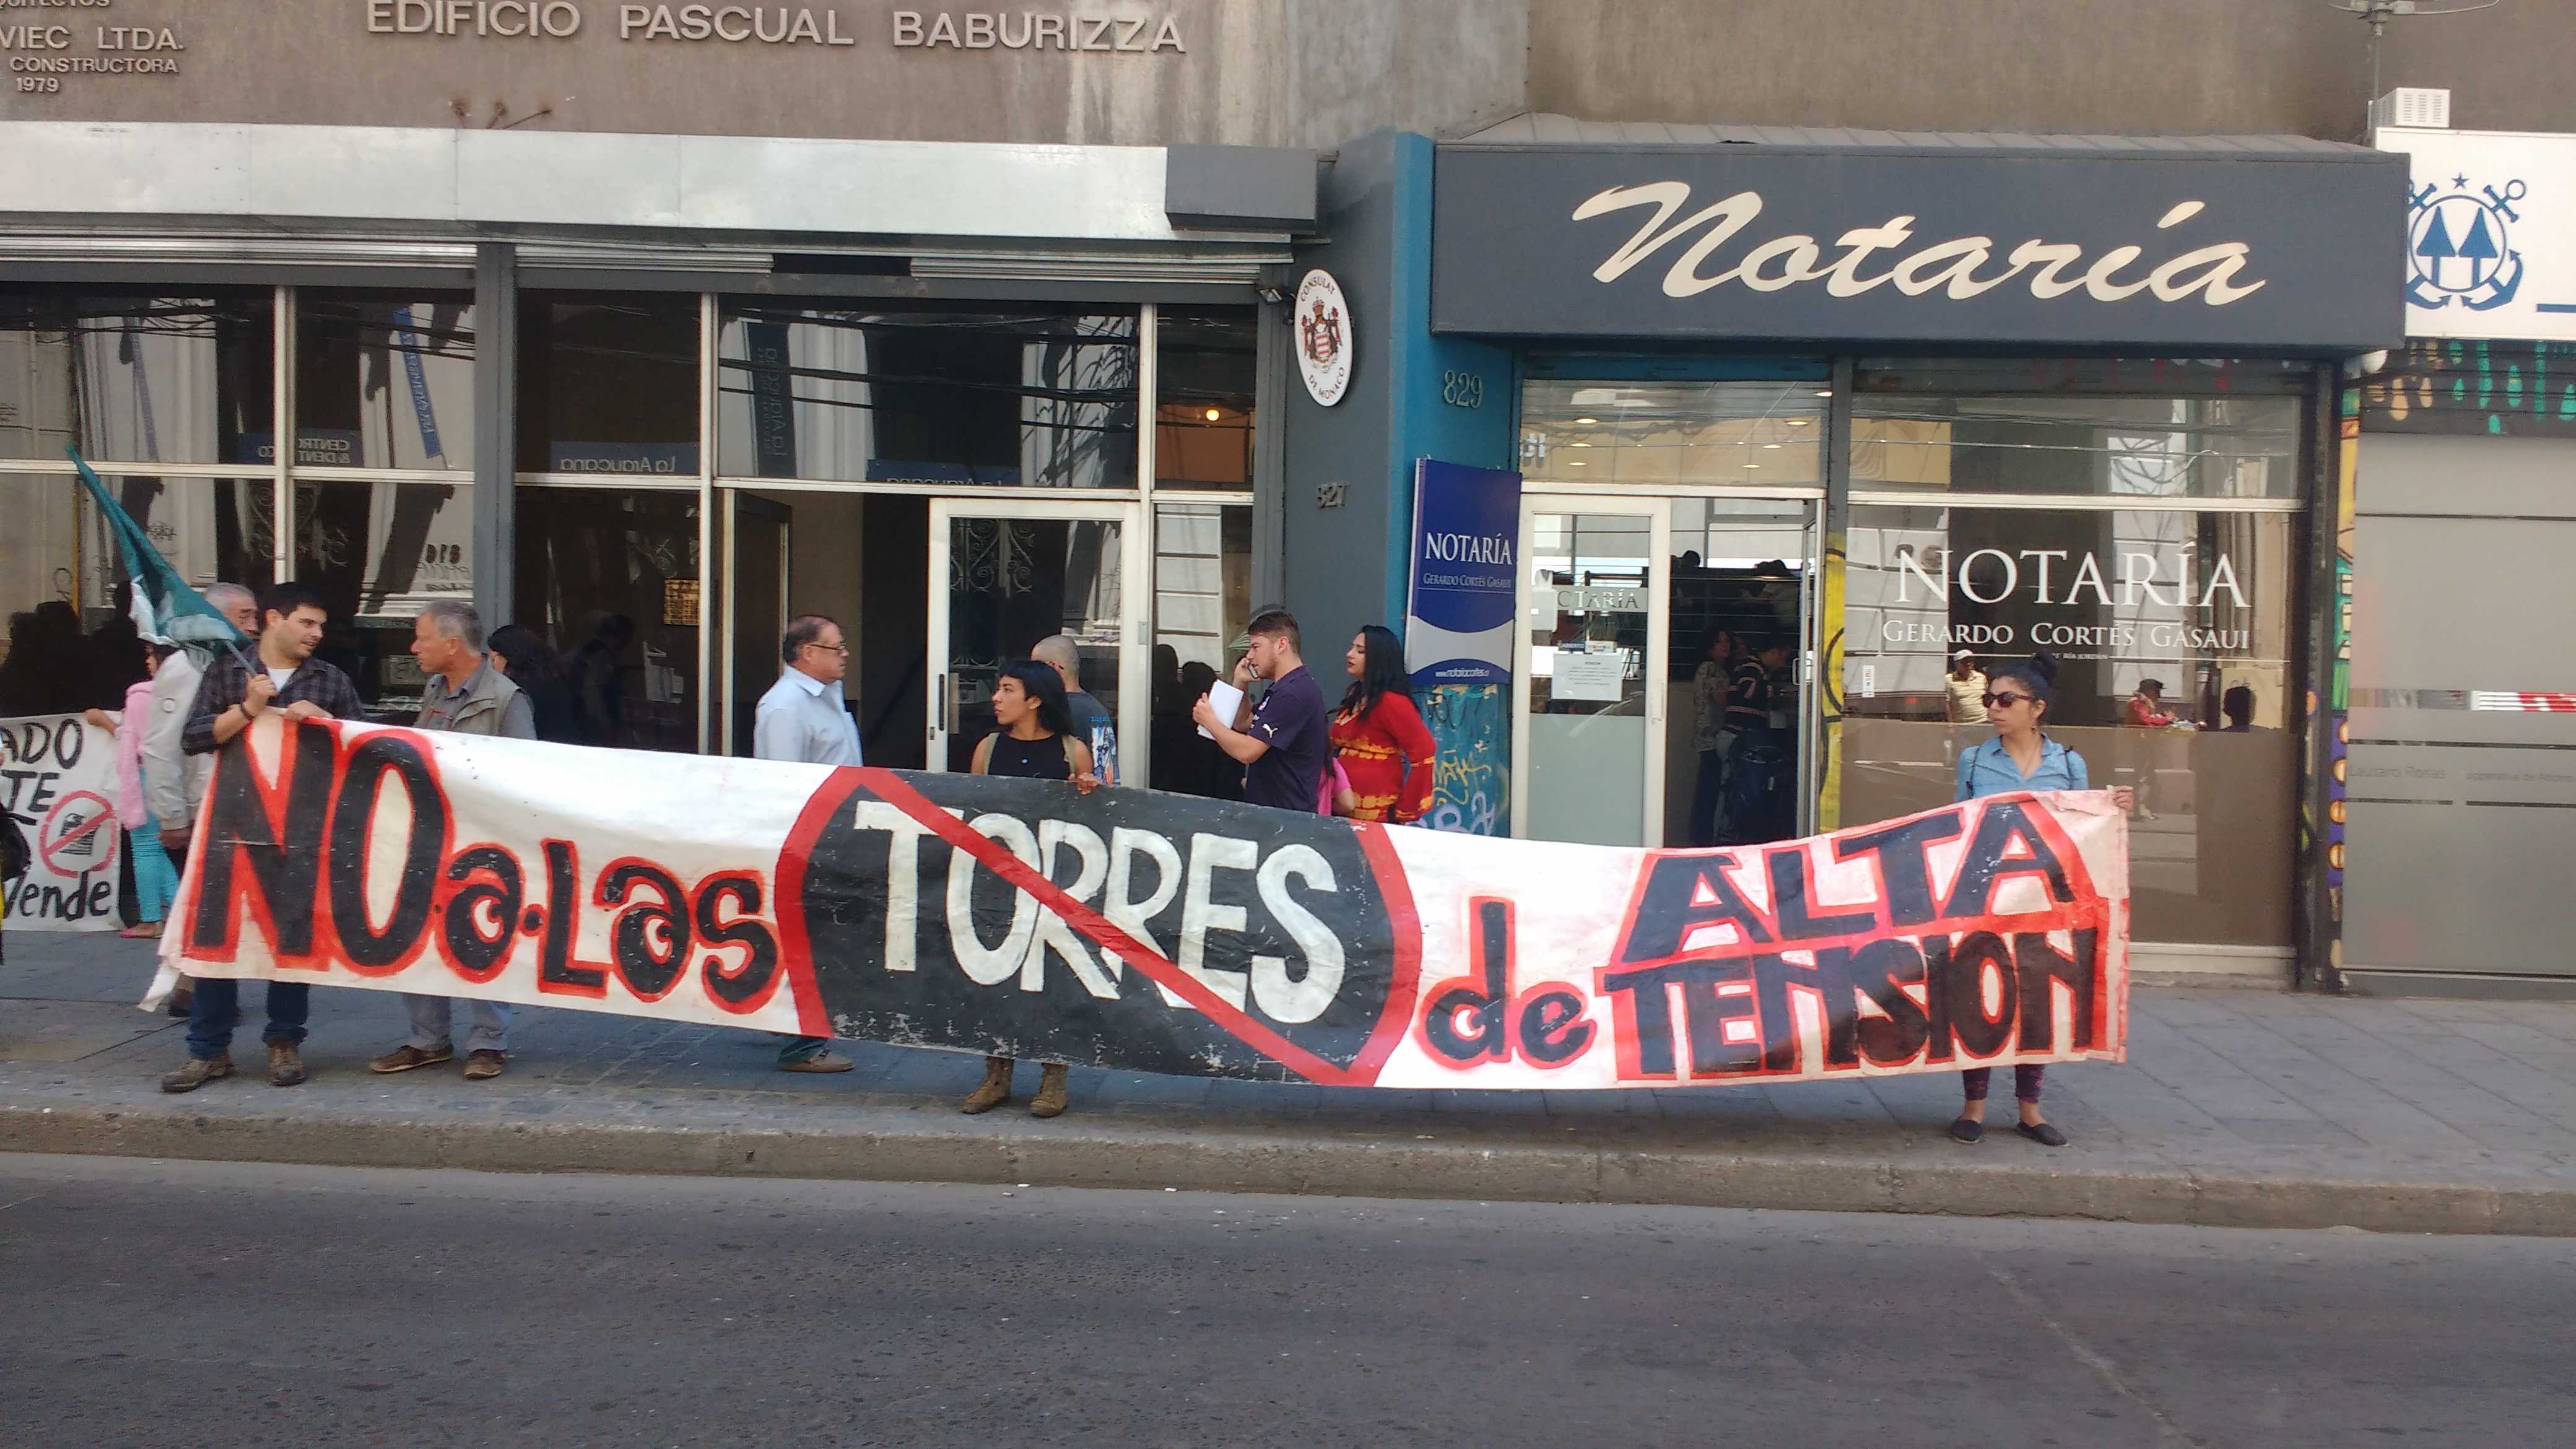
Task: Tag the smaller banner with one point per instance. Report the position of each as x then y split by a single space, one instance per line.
1458 635
58 781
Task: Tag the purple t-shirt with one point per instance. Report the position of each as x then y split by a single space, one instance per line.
1290 720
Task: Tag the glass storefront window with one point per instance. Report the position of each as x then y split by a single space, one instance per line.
1202 605
130 378
1032 397
2173 632
377 552
1651 434
608 384
2223 430
1205 364
69 643
384 380
610 579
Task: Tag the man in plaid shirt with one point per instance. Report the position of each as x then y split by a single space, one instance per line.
290 679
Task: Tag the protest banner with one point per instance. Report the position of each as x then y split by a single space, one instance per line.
1152 932
58 781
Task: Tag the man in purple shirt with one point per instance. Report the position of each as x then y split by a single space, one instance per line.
1285 744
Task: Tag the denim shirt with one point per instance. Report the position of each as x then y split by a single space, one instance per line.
1985 769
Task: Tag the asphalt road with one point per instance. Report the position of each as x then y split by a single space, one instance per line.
241 1304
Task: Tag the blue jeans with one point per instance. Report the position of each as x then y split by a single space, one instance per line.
217 998
1708 792
801 1048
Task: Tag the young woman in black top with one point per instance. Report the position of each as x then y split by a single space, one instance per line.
1035 742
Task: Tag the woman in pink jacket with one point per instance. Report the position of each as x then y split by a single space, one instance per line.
156 882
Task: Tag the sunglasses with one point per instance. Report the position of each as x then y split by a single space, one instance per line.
2004 700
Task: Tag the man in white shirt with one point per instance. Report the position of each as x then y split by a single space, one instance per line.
802 718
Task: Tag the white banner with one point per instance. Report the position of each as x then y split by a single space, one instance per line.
1153 932
58 781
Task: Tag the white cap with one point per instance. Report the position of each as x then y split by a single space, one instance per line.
1965 654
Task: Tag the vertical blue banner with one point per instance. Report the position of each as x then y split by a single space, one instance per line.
1458 635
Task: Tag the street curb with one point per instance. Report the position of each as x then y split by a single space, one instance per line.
1111 1154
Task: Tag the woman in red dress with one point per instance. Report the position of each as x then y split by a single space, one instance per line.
1378 734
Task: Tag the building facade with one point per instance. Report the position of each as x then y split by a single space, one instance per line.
647 326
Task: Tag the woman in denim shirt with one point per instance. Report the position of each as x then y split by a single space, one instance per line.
2018 758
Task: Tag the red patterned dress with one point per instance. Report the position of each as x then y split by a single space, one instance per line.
1387 753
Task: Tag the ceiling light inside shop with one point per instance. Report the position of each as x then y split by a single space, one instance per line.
1576 463
1798 422
1824 392
1585 422
1213 415
1578 445
1768 446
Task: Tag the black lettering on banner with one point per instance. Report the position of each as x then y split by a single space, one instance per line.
1774 977
649 942
1883 969
476 955
1980 1033
1553 1031
1905 876
1684 894
557 971
353 821
1936 999
1481 1004
1791 886
743 985
1714 994
2040 964
2004 823
284 855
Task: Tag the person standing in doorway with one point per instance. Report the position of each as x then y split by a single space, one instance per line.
1964 690
534 666
1093 724
464 694
1284 744
1035 741
290 679
174 781
803 718
1709 733
1378 734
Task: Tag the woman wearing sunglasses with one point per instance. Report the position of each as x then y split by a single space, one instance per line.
2019 757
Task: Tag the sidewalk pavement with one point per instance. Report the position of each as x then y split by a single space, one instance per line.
2237 1108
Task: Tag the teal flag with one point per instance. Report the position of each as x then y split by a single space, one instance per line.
166 610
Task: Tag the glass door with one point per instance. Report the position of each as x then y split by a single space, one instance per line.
1744 579
1004 575
756 561
1589 683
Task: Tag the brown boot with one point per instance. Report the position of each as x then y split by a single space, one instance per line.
285 1064
1049 1102
195 1072
994 1090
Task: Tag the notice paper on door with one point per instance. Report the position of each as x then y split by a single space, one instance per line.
1594 674
1226 700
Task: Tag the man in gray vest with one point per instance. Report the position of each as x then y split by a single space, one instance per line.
463 693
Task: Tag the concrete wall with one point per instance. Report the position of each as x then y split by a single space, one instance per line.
1257 72
2206 66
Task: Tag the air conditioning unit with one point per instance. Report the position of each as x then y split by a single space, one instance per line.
2420 108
